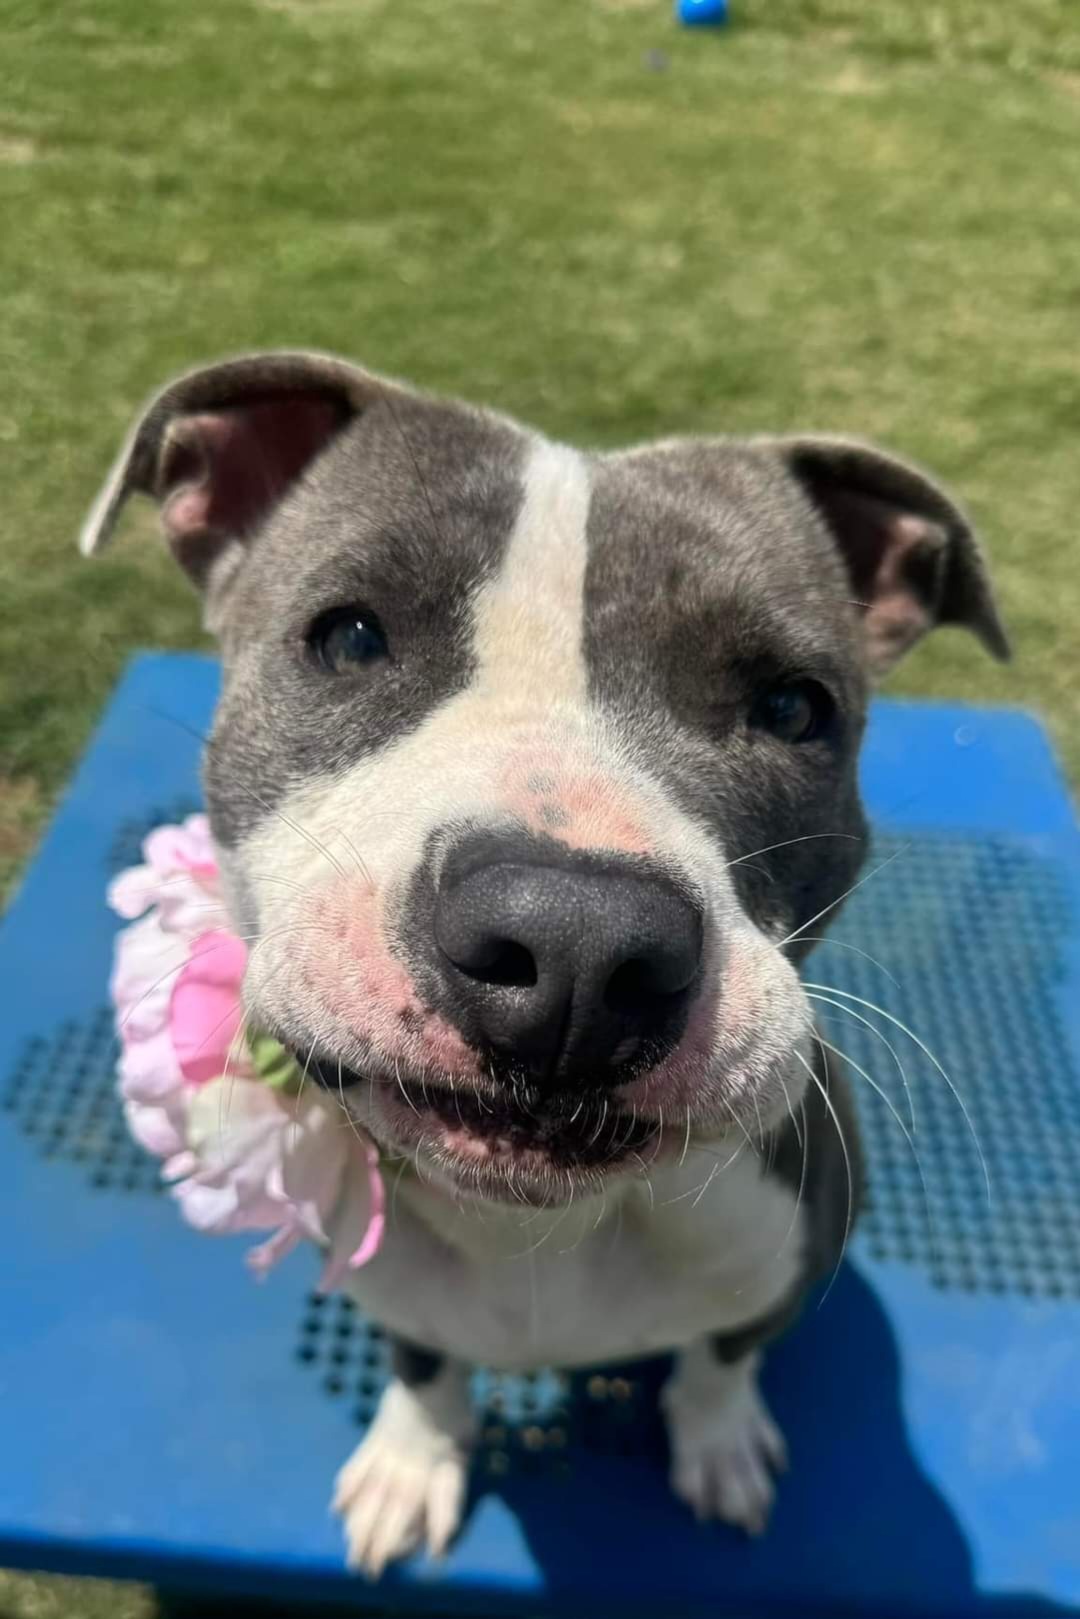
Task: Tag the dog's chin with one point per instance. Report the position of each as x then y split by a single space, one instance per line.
506 1148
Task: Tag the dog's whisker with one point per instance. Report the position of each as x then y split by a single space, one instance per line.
552 1228
879 1090
799 931
791 1111
842 944
514 1192
270 809
821 999
301 831
736 1120
713 1172
686 1139
362 868
419 1170
402 1089
808 837
345 1108
850 1061
757 1116
303 1077
236 1045
804 1145
594 1138
850 1214
925 1049
397 1187
718 1168
645 1177
220 1024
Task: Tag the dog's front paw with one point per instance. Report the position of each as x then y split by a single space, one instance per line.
404 1487
725 1447
725 1469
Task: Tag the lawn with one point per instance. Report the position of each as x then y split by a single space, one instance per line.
852 215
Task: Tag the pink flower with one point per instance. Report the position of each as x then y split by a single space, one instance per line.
204 1008
179 878
242 1154
267 1160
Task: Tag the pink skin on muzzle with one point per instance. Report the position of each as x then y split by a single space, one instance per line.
362 987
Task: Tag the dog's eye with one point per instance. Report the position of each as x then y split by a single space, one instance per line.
797 711
347 638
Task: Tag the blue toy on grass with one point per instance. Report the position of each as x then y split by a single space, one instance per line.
696 13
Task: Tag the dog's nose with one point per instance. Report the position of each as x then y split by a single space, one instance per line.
567 967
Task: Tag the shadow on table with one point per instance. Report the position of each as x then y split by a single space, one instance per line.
858 1525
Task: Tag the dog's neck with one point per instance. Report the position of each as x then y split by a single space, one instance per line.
671 1208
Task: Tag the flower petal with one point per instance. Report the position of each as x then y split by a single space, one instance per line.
241 1153
359 1224
145 962
205 1013
159 1129
130 893
188 847
149 1071
262 1258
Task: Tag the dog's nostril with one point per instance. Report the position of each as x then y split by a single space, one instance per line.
508 964
635 985
489 959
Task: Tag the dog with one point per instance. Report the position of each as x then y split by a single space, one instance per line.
533 773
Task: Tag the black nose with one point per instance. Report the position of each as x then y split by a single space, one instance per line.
566 966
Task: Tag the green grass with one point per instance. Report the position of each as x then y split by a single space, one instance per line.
838 213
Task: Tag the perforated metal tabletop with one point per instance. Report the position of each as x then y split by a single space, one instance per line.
165 1418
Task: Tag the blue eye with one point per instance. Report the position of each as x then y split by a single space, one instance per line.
347 638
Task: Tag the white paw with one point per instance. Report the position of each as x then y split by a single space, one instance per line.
725 1449
404 1488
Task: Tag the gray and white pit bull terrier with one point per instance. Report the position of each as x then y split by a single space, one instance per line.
583 730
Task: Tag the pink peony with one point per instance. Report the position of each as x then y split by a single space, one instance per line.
205 1013
242 1154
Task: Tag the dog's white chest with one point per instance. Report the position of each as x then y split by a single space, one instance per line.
512 1288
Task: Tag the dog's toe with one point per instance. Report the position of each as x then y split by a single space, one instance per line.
725 1448
403 1489
393 1505
728 1475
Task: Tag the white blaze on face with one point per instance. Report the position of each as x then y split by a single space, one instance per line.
530 620
520 746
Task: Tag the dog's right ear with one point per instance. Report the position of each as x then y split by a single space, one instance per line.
910 552
218 448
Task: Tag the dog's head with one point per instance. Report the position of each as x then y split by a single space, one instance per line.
534 770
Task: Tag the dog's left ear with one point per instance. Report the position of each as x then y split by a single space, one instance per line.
219 447
911 554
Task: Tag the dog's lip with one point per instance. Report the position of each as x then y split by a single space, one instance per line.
331 1074
586 1133
505 1142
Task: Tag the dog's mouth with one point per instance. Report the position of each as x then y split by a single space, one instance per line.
505 1144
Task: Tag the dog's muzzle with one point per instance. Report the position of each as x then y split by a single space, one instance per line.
567 969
